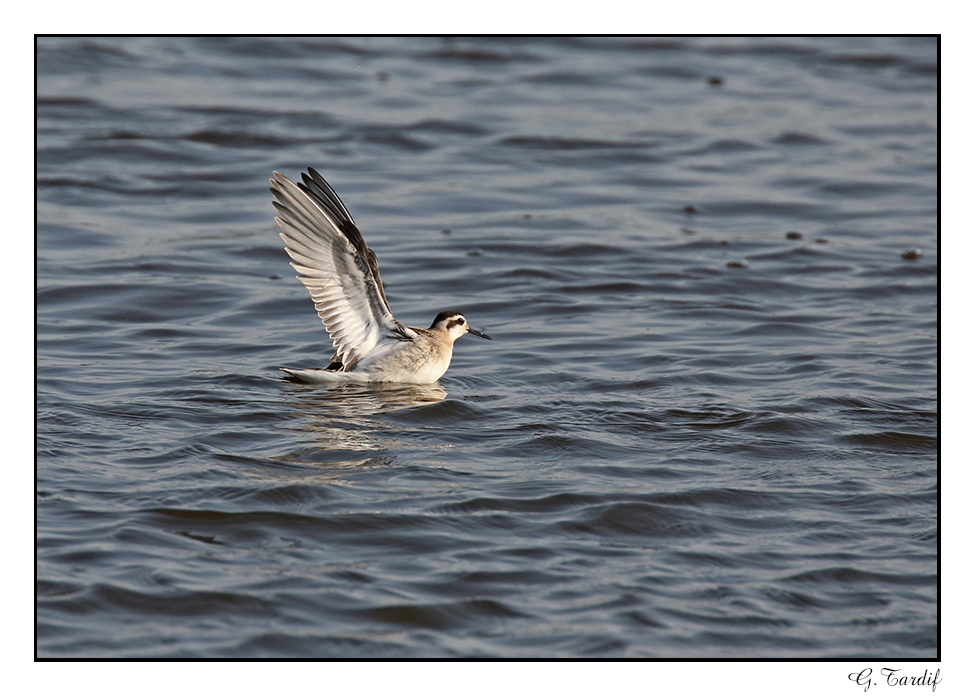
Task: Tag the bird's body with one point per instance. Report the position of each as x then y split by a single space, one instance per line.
342 276
423 359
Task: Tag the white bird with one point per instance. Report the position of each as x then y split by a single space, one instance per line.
343 278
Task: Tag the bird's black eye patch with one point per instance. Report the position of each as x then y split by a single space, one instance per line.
455 322
441 316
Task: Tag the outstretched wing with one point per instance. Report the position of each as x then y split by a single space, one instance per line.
336 266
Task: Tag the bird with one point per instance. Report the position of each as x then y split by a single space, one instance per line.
342 276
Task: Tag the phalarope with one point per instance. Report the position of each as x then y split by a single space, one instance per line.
343 278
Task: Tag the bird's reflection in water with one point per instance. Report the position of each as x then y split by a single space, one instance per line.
354 401
338 423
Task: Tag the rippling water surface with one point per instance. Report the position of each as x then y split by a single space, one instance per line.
706 426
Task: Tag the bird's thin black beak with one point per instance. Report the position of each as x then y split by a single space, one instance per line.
477 333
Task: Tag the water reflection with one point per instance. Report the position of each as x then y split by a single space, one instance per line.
338 424
356 401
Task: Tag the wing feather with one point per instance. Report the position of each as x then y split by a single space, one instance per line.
335 265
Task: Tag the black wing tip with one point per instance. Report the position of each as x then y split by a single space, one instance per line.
315 186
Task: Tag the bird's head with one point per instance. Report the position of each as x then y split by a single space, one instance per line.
455 325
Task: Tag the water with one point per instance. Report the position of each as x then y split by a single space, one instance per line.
699 432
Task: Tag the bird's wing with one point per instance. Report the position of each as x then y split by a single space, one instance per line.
336 266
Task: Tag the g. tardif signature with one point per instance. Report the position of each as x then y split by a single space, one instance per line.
896 677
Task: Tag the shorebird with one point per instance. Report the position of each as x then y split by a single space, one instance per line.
343 278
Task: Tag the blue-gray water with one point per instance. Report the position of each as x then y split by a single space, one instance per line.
699 432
